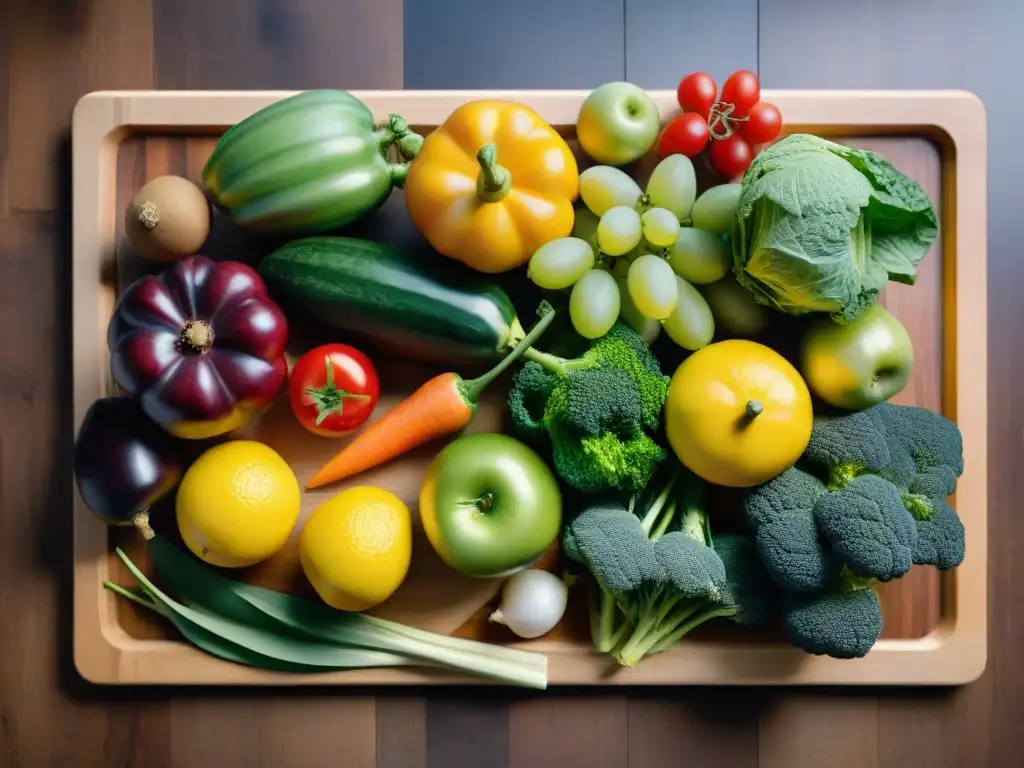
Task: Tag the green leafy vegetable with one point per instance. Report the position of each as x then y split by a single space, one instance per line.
822 227
866 502
243 644
658 572
306 622
597 411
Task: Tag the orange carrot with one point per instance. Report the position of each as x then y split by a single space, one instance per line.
440 407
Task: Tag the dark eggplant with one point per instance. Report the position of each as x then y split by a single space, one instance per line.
124 462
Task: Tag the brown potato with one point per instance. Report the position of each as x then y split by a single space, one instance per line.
168 219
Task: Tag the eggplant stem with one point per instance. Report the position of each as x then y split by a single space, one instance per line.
141 521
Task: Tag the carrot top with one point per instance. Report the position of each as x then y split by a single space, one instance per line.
471 389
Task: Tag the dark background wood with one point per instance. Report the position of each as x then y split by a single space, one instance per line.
53 51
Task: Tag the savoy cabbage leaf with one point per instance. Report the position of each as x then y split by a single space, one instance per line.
822 227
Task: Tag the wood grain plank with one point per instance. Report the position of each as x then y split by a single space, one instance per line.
287 44
35 532
528 44
49 56
401 732
666 41
698 726
274 732
468 731
867 47
99 44
5 106
808 729
555 731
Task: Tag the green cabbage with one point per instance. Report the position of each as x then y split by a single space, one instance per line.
822 227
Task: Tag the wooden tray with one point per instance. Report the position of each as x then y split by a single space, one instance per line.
935 626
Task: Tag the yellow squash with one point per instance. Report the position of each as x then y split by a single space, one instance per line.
492 184
738 413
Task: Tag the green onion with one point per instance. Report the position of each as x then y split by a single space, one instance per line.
301 620
248 645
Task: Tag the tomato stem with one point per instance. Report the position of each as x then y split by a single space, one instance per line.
329 399
720 117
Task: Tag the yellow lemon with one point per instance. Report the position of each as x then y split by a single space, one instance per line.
356 547
237 504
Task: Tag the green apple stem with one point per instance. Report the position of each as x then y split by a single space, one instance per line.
754 408
494 181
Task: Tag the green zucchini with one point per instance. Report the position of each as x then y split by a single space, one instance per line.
307 164
418 308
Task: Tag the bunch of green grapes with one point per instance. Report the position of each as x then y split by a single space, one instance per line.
629 255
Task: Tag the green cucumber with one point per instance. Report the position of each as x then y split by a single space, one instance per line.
307 164
423 309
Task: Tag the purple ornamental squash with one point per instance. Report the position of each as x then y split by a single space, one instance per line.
201 345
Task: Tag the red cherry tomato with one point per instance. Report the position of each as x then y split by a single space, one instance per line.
731 156
687 134
742 90
333 389
696 93
763 123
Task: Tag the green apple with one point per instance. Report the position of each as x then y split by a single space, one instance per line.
489 505
618 123
858 364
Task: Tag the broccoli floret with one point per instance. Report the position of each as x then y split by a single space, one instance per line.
659 573
919 456
868 528
842 623
599 400
920 441
847 446
526 400
748 596
654 567
865 503
940 537
587 463
780 514
597 411
623 349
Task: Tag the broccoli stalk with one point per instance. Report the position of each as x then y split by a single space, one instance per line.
748 597
657 574
597 413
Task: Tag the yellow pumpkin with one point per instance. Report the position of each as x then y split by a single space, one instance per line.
492 184
738 413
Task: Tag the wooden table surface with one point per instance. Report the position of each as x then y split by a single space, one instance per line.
53 51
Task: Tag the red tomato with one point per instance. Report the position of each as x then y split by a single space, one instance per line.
731 156
742 90
763 123
687 134
333 389
696 93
